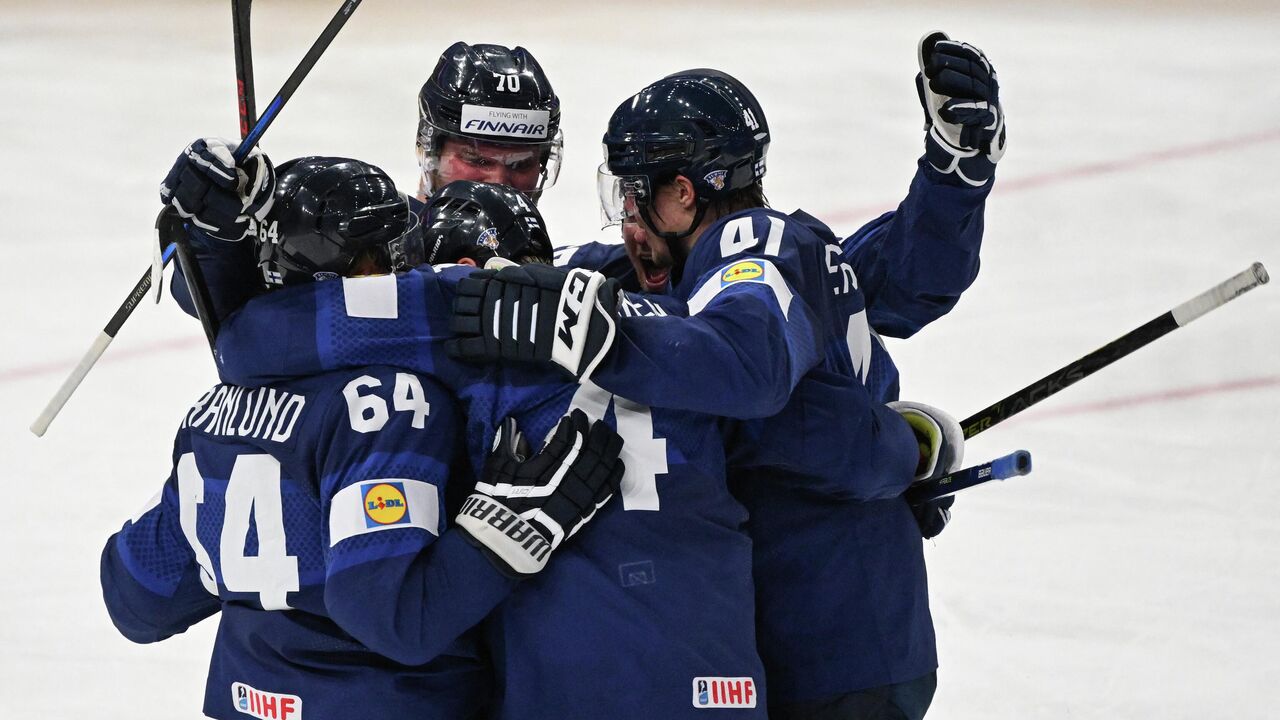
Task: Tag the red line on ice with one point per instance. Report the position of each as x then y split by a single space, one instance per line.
1127 401
111 356
1106 167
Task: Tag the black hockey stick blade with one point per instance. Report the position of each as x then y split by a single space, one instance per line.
1077 370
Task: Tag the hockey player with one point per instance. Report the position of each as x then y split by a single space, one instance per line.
311 512
488 114
654 616
873 619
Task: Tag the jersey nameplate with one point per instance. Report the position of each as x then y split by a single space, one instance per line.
233 411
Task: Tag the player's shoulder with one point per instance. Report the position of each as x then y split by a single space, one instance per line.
287 414
761 231
592 255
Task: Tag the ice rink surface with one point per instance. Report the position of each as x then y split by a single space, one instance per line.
1133 575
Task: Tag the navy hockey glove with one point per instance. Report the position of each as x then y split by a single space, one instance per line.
210 191
523 510
535 313
933 516
964 123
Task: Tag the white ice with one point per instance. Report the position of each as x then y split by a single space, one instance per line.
1133 575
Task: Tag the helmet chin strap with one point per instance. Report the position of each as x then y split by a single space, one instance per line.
676 248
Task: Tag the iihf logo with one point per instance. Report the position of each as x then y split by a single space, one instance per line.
724 692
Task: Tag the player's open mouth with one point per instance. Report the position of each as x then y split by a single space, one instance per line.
654 275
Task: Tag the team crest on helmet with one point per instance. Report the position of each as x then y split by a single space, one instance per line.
326 275
488 239
715 178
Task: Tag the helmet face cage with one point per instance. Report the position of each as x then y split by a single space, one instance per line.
496 105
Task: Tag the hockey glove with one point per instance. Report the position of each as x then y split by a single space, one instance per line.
221 198
535 313
941 441
940 437
523 510
964 123
933 516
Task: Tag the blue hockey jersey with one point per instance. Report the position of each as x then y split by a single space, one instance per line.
647 612
311 514
854 614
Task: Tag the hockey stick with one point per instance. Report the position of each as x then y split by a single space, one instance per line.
197 288
1014 464
1082 368
140 289
195 280
244 64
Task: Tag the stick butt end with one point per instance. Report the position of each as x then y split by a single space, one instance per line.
1260 273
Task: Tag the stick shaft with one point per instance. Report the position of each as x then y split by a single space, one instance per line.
241 35
1149 332
1014 464
90 357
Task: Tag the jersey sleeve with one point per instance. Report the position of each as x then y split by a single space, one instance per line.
400 320
230 274
754 325
151 582
830 440
396 578
913 263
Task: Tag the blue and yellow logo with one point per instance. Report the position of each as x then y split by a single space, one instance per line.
385 504
744 270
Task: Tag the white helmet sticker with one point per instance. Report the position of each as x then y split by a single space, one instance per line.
505 122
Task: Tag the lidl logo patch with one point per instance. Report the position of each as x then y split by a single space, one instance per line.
384 504
744 270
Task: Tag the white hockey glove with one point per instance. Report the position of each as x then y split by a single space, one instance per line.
964 122
940 437
535 313
221 198
523 510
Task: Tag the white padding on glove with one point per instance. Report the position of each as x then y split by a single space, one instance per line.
941 438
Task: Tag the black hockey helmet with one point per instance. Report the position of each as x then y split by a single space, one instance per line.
330 213
481 221
702 124
490 95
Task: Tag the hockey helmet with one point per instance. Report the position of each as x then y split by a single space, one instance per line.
498 107
329 214
702 124
481 221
